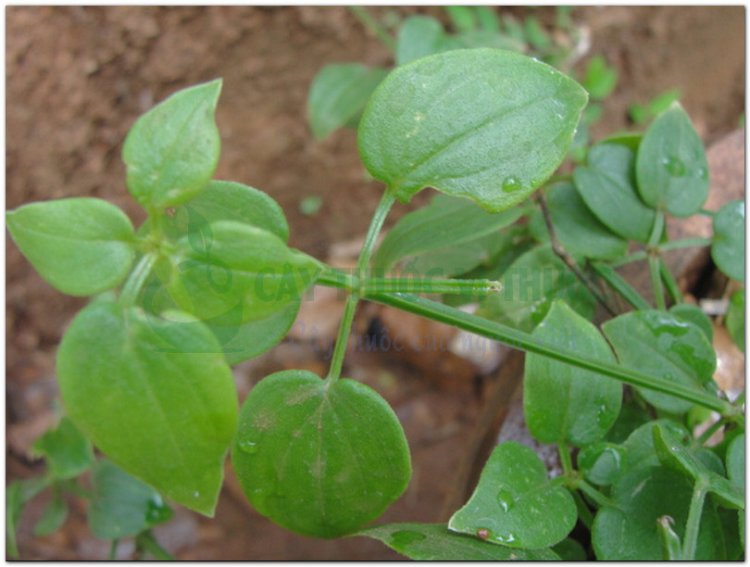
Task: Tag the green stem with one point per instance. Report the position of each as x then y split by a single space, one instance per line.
653 260
685 243
524 341
147 542
565 460
709 432
669 282
137 278
670 542
707 213
620 285
584 512
593 493
634 257
431 285
374 26
693 522
376 225
342 339
338 279
113 550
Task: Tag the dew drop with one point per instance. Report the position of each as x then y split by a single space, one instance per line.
483 533
701 173
674 166
510 538
406 537
505 499
247 446
512 184
196 494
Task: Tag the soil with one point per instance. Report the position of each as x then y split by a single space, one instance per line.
78 77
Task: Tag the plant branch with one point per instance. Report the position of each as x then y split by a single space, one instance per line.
685 243
431 285
565 461
342 339
598 498
559 249
693 522
620 285
137 278
653 260
669 282
634 257
147 542
374 26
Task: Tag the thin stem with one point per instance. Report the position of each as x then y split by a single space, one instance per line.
620 285
113 550
376 225
137 278
669 282
560 251
342 339
685 243
710 430
584 512
524 341
374 26
707 213
630 258
670 542
693 522
431 285
147 542
653 268
565 460
338 279
598 498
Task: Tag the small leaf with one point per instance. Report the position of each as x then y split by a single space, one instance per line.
462 17
570 550
515 504
434 542
671 167
121 505
639 446
338 95
242 274
670 542
17 494
80 246
447 223
530 285
694 315
601 463
628 531
418 36
158 398
319 458
487 124
67 451
578 230
53 517
736 462
536 35
487 18
728 248
171 152
600 79
607 186
735 319
563 403
659 343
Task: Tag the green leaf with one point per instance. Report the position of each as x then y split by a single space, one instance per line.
446 224
736 462
228 201
530 285
515 504
80 246
434 542
171 152
53 517
694 315
462 17
418 36
158 398
67 451
728 247
600 79
607 186
17 494
562 403
632 416
535 34
487 18
675 455
338 95
639 446
487 124
238 272
659 343
670 541
601 463
671 166
628 531
579 231
570 550
121 505
319 458
735 319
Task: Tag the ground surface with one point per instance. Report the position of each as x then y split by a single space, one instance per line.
78 77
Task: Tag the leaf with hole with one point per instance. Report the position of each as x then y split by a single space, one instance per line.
514 504
158 398
67 452
171 152
671 165
486 124
319 458
434 542
80 246
728 247
658 343
563 403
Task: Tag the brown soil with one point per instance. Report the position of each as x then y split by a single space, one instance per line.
78 77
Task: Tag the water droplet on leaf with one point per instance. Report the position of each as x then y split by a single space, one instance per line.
505 499
247 446
512 184
405 537
674 166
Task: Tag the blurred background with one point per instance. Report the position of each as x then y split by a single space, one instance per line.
77 78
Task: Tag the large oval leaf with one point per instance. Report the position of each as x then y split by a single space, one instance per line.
155 396
728 247
171 152
659 343
563 403
487 124
515 504
319 458
80 246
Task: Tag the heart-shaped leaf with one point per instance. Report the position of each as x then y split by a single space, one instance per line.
67 451
671 167
171 152
80 246
157 398
607 185
515 504
338 95
563 403
434 542
486 124
319 458
728 248
661 344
